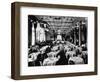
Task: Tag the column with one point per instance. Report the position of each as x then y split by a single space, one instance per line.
34 25
80 25
75 36
33 34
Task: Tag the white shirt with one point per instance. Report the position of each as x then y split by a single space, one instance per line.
50 61
76 60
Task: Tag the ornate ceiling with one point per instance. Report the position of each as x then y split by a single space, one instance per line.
63 23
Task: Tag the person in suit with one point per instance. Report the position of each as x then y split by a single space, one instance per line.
63 59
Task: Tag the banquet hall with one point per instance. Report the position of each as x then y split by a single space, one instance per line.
57 40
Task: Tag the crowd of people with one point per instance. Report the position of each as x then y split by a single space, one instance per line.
57 53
